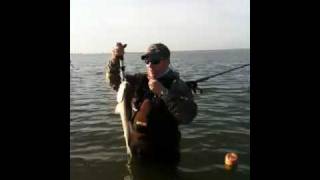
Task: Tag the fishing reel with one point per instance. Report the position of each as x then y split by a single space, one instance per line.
193 85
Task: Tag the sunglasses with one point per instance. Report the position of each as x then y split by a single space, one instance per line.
153 59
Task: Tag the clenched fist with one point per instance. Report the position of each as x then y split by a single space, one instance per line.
118 52
156 87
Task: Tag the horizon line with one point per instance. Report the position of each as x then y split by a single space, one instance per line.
170 51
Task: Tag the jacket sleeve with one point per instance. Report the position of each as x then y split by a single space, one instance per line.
112 71
180 103
113 78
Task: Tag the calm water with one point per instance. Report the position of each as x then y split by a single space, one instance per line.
97 148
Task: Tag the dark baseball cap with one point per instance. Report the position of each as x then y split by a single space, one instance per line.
157 50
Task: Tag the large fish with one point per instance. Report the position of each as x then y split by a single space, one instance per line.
123 109
123 106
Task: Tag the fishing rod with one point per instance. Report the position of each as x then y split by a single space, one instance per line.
193 85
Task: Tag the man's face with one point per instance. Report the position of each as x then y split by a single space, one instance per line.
154 70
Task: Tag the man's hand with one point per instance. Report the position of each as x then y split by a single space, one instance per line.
156 87
117 52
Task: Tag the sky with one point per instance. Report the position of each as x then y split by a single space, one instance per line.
96 25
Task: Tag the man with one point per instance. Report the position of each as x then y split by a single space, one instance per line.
160 101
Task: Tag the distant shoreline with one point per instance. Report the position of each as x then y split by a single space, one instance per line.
171 51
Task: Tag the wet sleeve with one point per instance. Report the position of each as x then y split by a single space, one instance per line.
113 74
113 78
180 103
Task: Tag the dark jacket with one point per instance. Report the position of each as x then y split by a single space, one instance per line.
162 136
